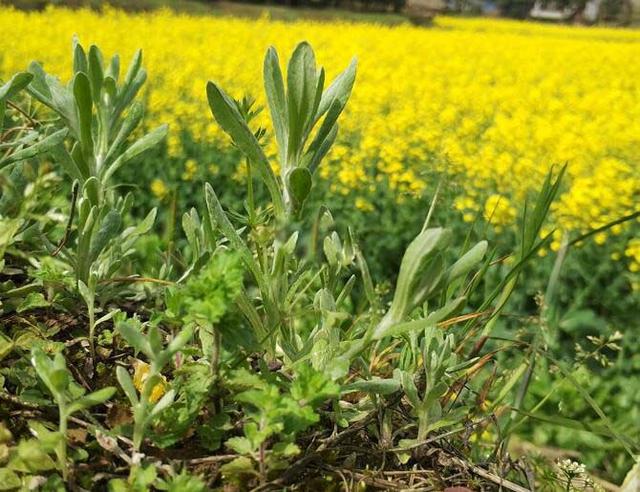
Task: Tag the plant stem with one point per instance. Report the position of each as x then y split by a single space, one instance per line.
92 328
263 477
250 199
215 354
61 449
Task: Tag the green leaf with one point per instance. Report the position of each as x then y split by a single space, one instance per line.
40 147
218 216
299 185
60 379
84 106
229 118
312 387
240 445
420 272
401 329
33 457
375 385
130 123
301 95
469 260
274 89
236 469
96 73
131 332
446 311
180 340
80 162
108 230
79 57
31 301
133 80
9 480
134 69
18 82
113 71
164 402
339 90
44 367
319 148
86 293
91 190
126 383
91 400
145 143
409 387
155 339
68 164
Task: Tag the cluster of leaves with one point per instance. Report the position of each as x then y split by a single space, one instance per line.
256 340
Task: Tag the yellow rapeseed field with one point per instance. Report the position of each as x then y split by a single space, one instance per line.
493 103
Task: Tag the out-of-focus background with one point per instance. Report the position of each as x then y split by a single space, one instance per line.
612 12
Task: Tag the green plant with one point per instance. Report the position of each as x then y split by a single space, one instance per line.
202 301
283 279
301 360
69 397
427 386
101 115
22 138
144 407
294 115
22 142
272 413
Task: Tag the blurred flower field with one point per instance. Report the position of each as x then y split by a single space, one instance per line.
491 103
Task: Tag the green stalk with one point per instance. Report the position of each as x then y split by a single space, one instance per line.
215 354
250 199
61 448
140 413
92 328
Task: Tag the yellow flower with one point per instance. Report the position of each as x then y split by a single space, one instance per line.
190 169
494 127
159 188
499 211
600 238
364 205
140 375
